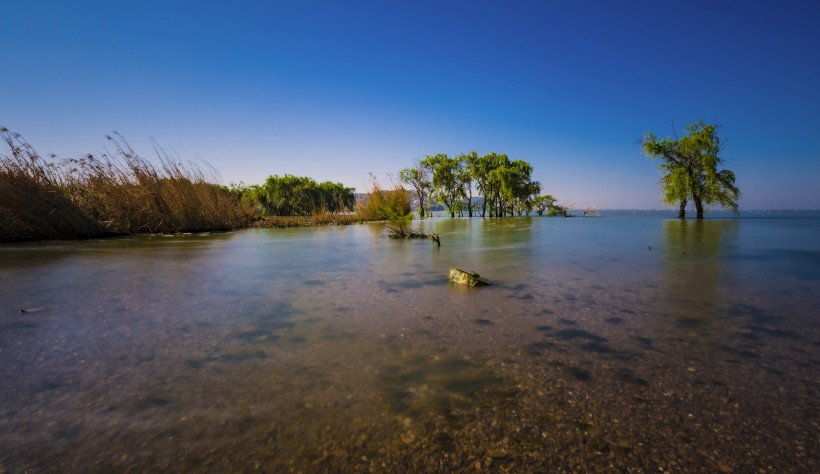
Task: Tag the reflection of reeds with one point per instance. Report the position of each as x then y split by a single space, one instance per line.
113 193
317 218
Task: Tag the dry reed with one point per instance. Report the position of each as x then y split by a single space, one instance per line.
114 193
378 204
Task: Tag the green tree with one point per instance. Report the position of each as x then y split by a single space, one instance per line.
557 210
509 187
467 175
447 186
497 169
689 169
542 203
419 178
480 169
291 195
506 186
519 188
334 197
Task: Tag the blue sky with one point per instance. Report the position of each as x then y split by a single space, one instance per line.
337 90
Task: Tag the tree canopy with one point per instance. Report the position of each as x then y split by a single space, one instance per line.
419 178
291 195
448 186
506 186
689 168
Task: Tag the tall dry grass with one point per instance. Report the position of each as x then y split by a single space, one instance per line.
117 192
378 204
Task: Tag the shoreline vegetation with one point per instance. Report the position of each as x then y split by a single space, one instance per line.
117 193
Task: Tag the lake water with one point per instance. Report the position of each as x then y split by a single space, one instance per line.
635 342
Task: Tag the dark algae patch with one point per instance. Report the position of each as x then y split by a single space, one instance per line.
577 373
241 356
538 348
150 401
440 385
573 334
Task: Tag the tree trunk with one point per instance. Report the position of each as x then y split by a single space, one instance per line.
698 207
682 210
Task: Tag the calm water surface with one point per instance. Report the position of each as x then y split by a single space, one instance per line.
632 343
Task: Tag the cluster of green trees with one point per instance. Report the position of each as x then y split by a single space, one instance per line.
690 166
689 169
506 185
547 203
291 195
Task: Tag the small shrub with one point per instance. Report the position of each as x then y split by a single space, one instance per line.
378 204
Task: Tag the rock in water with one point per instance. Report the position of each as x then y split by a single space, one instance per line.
465 278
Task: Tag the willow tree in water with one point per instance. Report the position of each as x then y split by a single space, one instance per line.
480 168
468 164
418 177
689 169
447 179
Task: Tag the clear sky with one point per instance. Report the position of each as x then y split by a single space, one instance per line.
339 89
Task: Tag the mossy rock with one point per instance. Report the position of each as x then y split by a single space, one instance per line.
462 277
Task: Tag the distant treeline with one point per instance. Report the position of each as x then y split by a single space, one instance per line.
291 195
506 186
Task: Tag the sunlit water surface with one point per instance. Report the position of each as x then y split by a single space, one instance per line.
631 342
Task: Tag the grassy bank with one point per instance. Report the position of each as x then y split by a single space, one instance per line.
113 193
120 193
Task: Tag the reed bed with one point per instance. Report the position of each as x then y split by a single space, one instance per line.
380 204
116 192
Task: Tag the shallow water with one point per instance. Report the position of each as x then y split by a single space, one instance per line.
632 342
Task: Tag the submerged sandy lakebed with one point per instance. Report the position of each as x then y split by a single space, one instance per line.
631 343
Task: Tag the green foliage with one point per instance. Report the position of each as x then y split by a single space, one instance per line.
252 196
507 186
491 167
689 169
556 210
466 176
419 178
542 203
290 195
547 203
446 177
378 204
518 189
